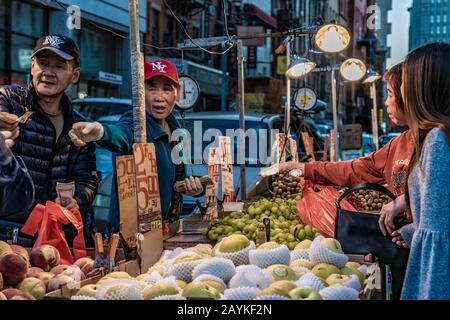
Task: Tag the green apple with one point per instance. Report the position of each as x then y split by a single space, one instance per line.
305 244
234 243
304 293
200 290
349 271
337 279
332 244
324 270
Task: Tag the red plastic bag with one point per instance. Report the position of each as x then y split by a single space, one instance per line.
48 220
318 207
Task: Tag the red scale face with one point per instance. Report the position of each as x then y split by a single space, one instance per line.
189 93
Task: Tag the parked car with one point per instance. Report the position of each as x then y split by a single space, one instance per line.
94 108
323 129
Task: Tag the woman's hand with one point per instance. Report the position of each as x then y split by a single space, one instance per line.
397 238
389 212
286 167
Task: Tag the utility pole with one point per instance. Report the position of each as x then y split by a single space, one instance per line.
137 76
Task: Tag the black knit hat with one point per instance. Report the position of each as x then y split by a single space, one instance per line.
63 46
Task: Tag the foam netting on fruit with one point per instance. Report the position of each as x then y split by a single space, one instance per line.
310 280
219 267
320 254
204 250
171 297
242 293
338 292
82 298
206 277
183 270
272 297
239 258
300 254
131 290
171 281
301 269
250 276
363 269
267 257
152 278
353 283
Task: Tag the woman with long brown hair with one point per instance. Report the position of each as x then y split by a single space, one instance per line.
426 92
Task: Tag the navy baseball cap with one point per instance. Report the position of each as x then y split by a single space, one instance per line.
63 46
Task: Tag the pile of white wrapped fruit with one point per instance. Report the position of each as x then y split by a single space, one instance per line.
235 269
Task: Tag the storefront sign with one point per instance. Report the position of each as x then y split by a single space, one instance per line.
109 77
126 189
281 65
147 186
209 79
25 58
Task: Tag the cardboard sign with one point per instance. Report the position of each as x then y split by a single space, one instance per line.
308 142
147 187
279 146
212 191
126 190
227 170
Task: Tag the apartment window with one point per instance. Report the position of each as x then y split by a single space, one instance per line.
438 19
155 26
445 18
444 30
438 30
21 24
432 19
432 30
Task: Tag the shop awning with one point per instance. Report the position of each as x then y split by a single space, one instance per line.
260 14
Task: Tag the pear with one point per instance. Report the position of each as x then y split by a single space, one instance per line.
349 271
305 244
268 246
234 243
159 289
301 263
353 265
282 272
304 293
324 270
200 290
188 257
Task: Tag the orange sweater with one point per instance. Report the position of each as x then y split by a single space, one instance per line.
388 165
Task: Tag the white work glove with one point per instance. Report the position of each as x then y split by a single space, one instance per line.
85 132
193 186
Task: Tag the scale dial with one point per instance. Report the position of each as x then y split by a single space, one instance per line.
189 92
305 99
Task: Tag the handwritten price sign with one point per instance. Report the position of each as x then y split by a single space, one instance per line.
126 188
147 187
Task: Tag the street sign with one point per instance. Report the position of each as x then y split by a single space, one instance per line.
109 77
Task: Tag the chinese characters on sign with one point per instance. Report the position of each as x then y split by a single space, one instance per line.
126 190
227 169
147 187
212 190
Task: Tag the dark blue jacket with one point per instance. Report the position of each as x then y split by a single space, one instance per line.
16 185
118 138
49 160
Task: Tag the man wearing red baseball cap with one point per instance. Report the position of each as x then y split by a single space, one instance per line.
161 93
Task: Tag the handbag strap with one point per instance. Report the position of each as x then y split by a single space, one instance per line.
370 186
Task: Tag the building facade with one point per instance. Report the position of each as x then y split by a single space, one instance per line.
102 37
431 22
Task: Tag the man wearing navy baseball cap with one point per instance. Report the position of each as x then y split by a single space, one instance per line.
42 139
161 93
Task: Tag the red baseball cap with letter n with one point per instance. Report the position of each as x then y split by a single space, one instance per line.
161 68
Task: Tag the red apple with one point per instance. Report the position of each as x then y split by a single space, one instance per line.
14 268
45 257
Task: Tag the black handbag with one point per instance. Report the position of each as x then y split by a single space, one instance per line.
359 233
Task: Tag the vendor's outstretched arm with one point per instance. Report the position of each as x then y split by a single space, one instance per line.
16 185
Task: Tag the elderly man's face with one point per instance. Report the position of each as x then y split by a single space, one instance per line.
52 74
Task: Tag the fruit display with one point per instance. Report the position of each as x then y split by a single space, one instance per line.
30 277
367 200
285 225
285 186
213 277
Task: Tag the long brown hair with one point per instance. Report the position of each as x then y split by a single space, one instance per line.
426 81
394 76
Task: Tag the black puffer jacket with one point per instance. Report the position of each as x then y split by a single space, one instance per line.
48 161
